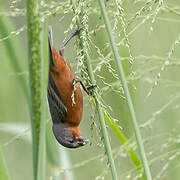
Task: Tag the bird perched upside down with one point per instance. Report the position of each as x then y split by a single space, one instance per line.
66 115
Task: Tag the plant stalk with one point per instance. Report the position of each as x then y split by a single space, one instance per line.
126 90
38 86
96 97
3 168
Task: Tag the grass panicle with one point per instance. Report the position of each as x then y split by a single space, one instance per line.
99 110
126 90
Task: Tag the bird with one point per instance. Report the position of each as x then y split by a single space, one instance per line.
66 112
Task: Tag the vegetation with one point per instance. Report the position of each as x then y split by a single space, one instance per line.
130 49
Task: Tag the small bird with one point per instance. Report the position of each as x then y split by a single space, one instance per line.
66 114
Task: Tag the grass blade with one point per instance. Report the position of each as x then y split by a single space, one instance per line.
124 141
44 115
3 168
14 49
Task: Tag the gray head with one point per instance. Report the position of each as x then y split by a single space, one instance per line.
65 137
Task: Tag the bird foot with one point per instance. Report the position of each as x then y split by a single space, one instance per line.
87 89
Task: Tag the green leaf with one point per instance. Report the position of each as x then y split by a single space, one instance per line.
123 140
3 168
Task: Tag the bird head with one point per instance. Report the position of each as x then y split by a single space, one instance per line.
64 136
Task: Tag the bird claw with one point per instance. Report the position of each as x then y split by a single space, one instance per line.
85 88
91 86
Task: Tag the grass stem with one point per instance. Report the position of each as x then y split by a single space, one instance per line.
96 97
126 90
38 68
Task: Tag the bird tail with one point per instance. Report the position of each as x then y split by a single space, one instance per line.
50 39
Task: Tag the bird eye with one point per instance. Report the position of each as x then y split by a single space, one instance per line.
71 141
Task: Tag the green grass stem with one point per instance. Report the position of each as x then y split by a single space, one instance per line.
126 90
96 97
38 68
3 169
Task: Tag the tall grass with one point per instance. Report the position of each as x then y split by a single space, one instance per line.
3 168
87 62
154 71
14 49
126 90
38 68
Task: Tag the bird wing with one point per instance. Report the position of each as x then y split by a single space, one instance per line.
56 106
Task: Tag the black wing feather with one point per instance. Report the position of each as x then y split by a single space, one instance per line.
56 106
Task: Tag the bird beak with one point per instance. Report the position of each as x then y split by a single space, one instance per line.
81 140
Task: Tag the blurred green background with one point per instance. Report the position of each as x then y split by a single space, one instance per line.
150 53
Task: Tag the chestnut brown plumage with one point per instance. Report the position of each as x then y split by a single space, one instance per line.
66 115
